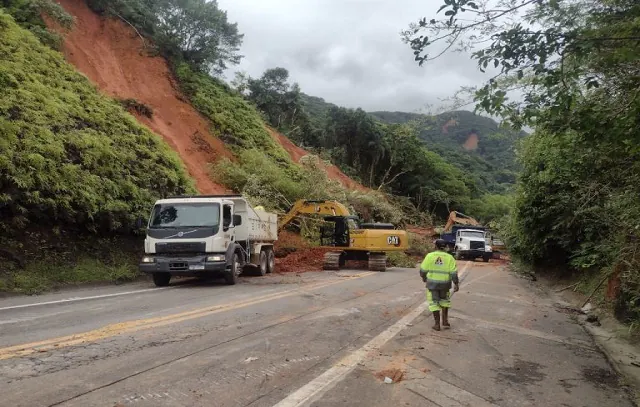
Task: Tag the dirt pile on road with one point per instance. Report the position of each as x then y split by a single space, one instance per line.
396 375
112 56
294 254
299 261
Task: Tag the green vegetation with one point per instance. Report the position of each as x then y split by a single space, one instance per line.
492 165
194 31
29 14
577 64
72 160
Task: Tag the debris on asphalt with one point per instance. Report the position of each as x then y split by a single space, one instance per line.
250 359
388 380
593 319
395 375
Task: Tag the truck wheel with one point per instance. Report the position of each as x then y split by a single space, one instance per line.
271 261
263 263
231 276
457 255
161 279
486 258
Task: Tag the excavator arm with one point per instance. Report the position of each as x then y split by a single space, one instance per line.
303 206
461 219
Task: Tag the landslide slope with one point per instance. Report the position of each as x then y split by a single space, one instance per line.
201 118
74 165
113 57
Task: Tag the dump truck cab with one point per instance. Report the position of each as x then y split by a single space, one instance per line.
472 244
207 236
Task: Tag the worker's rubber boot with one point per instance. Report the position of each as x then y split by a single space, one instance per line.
436 318
445 318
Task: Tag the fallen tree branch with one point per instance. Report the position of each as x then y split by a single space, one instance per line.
144 43
567 287
595 289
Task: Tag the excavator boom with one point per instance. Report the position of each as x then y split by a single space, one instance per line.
303 206
460 219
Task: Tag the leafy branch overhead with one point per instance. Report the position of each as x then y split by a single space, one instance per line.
195 31
538 51
571 69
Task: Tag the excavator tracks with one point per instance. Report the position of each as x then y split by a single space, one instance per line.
377 262
331 261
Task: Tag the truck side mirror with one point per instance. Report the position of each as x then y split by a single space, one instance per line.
237 220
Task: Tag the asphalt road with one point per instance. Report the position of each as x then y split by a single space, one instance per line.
316 339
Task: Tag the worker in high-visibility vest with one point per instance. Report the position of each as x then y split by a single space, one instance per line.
439 270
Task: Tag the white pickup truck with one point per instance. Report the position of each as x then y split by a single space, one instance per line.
208 236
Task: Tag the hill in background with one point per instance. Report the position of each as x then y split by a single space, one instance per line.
474 144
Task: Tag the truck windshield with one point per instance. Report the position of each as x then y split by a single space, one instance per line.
181 215
477 235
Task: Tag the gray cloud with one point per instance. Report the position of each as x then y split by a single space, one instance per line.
348 52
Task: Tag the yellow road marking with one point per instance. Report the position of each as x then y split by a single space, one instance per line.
137 325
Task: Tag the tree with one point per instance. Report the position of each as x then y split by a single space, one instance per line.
195 31
576 64
200 31
541 50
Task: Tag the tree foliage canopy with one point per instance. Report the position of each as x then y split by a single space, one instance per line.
196 31
576 67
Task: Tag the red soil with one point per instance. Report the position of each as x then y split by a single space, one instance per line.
425 232
309 259
334 173
111 55
450 123
471 143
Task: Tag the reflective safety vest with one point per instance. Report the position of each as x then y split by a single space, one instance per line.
441 269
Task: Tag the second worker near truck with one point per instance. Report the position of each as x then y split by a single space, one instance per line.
439 271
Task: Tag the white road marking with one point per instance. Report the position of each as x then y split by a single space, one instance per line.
73 299
321 384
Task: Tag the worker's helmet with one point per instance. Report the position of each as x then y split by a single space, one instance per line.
441 243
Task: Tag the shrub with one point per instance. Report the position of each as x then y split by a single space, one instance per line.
71 156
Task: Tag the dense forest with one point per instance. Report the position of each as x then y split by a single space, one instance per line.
416 156
571 71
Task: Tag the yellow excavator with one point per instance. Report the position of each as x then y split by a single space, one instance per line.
351 239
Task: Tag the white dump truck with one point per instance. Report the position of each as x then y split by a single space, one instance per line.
471 244
208 236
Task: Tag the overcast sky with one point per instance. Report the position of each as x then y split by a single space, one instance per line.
348 52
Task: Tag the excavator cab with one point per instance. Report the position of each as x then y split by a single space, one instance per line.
336 233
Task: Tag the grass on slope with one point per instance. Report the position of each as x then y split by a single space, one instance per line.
72 161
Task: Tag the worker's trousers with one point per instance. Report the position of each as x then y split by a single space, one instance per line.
438 299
